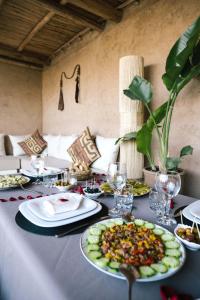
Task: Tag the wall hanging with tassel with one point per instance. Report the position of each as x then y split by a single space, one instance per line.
77 71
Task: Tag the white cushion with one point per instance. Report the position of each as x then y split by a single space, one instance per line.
15 139
52 144
108 150
65 142
2 147
58 145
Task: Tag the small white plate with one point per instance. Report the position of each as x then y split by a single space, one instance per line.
36 207
47 172
187 212
26 212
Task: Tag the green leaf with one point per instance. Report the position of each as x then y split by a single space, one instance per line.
143 139
172 163
180 53
127 137
139 89
187 150
158 115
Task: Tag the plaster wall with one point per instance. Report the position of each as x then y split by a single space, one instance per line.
149 30
20 99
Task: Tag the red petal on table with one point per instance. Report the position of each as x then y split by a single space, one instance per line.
12 199
29 197
3 200
172 204
21 198
169 293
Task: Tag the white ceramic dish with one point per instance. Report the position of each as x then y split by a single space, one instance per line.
93 196
15 185
47 172
64 188
170 272
36 207
189 245
26 212
187 212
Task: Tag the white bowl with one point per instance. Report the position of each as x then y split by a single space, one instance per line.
63 188
92 196
189 245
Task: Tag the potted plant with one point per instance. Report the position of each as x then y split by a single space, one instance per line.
182 65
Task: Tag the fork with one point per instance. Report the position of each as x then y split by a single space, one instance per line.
131 275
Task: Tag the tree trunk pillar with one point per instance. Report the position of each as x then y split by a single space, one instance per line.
131 114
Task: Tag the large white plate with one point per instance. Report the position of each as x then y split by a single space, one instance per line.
170 272
187 211
37 208
23 208
47 172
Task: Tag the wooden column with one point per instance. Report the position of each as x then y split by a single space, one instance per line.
131 114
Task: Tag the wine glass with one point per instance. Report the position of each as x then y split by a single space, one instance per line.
116 178
168 185
37 162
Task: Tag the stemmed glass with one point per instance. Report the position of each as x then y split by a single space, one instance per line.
168 185
37 162
116 177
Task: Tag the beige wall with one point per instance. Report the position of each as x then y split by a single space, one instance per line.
148 30
20 99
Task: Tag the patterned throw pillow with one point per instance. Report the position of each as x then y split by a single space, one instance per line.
34 144
84 149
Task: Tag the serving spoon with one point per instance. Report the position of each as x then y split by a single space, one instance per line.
131 275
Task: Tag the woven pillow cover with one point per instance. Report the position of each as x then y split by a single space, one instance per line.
35 144
84 149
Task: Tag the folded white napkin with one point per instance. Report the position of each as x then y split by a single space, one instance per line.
62 204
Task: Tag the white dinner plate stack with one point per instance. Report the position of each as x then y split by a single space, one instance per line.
36 212
192 212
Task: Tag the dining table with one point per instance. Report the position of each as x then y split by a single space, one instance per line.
42 267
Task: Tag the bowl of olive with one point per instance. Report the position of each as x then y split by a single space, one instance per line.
63 186
188 236
92 193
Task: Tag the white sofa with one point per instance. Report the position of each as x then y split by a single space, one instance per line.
12 156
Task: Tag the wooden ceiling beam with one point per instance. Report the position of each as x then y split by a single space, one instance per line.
24 57
65 12
35 29
99 8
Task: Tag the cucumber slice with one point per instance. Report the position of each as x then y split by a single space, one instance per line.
101 262
110 224
171 262
149 225
172 245
92 247
158 231
146 271
112 270
139 222
94 255
93 239
114 265
95 230
101 226
167 237
173 252
118 222
159 268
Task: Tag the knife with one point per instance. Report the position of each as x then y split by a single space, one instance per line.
81 226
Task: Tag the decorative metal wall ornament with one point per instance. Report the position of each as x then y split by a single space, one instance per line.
77 70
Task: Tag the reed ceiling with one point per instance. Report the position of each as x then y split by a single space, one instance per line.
32 32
